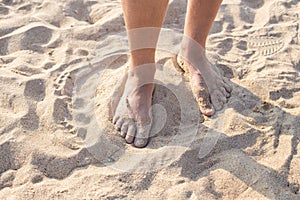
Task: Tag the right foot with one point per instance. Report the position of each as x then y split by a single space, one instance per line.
132 116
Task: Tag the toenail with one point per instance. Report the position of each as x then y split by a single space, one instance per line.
129 139
140 142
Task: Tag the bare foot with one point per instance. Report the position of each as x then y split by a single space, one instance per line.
209 87
133 116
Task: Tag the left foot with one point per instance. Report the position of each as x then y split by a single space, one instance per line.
209 87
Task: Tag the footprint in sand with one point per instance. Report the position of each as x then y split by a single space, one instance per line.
11 162
35 92
31 120
267 46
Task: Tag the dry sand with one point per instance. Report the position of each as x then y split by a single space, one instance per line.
55 96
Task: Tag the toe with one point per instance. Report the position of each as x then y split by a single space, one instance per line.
224 92
142 136
227 85
141 142
216 101
124 129
200 92
227 94
119 124
204 103
222 97
130 134
115 119
206 109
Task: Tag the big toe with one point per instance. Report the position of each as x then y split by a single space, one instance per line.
142 136
141 142
205 107
204 104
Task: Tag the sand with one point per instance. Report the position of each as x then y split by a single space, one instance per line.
58 79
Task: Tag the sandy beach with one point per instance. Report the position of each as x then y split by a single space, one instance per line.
61 69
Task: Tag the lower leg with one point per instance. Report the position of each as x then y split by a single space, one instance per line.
199 19
143 19
209 87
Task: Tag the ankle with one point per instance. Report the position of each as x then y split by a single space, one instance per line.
142 57
142 74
